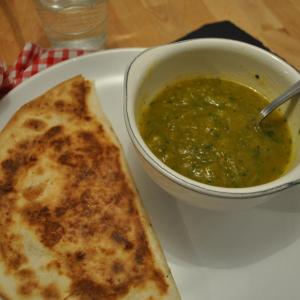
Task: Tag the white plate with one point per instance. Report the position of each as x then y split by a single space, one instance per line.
250 255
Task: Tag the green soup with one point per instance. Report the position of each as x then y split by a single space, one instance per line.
203 128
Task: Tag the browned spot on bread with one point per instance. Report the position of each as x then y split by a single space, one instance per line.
60 211
10 166
26 273
87 289
17 259
59 105
2 295
33 192
117 267
70 159
142 251
53 131
35 124
51 292
52 233
159 279
84 172
88 137
23 146
92 146
40 171
41 218
80 255
5 188
37 214
13 256
100 129
27 288
54 265
121 239
79 92
20 160
60 143
108 251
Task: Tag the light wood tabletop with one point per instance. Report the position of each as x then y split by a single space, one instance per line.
143 23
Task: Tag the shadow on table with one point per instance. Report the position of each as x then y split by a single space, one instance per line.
218 239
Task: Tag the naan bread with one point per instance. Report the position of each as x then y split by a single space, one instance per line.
71 222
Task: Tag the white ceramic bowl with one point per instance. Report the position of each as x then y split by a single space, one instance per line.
227 59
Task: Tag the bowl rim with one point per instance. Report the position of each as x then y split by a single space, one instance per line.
176 177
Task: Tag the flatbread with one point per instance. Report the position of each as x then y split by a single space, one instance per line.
72 225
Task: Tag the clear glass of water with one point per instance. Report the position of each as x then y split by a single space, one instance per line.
77 24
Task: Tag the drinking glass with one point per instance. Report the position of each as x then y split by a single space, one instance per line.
74 23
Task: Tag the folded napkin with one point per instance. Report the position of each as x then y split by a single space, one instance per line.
225 30
34 59
31 60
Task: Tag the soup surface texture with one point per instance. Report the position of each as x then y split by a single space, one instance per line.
203 128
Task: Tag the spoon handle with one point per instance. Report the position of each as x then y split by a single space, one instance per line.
291 92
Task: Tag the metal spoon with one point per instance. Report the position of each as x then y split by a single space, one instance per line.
287 95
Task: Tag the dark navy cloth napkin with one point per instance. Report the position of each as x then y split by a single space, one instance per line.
225 30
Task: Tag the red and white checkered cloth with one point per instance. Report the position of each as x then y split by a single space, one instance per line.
30 61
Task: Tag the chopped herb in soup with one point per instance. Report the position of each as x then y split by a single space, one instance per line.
203 128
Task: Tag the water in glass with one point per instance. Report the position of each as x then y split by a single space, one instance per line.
74 23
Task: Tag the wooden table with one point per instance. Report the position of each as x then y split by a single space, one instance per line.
136 23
